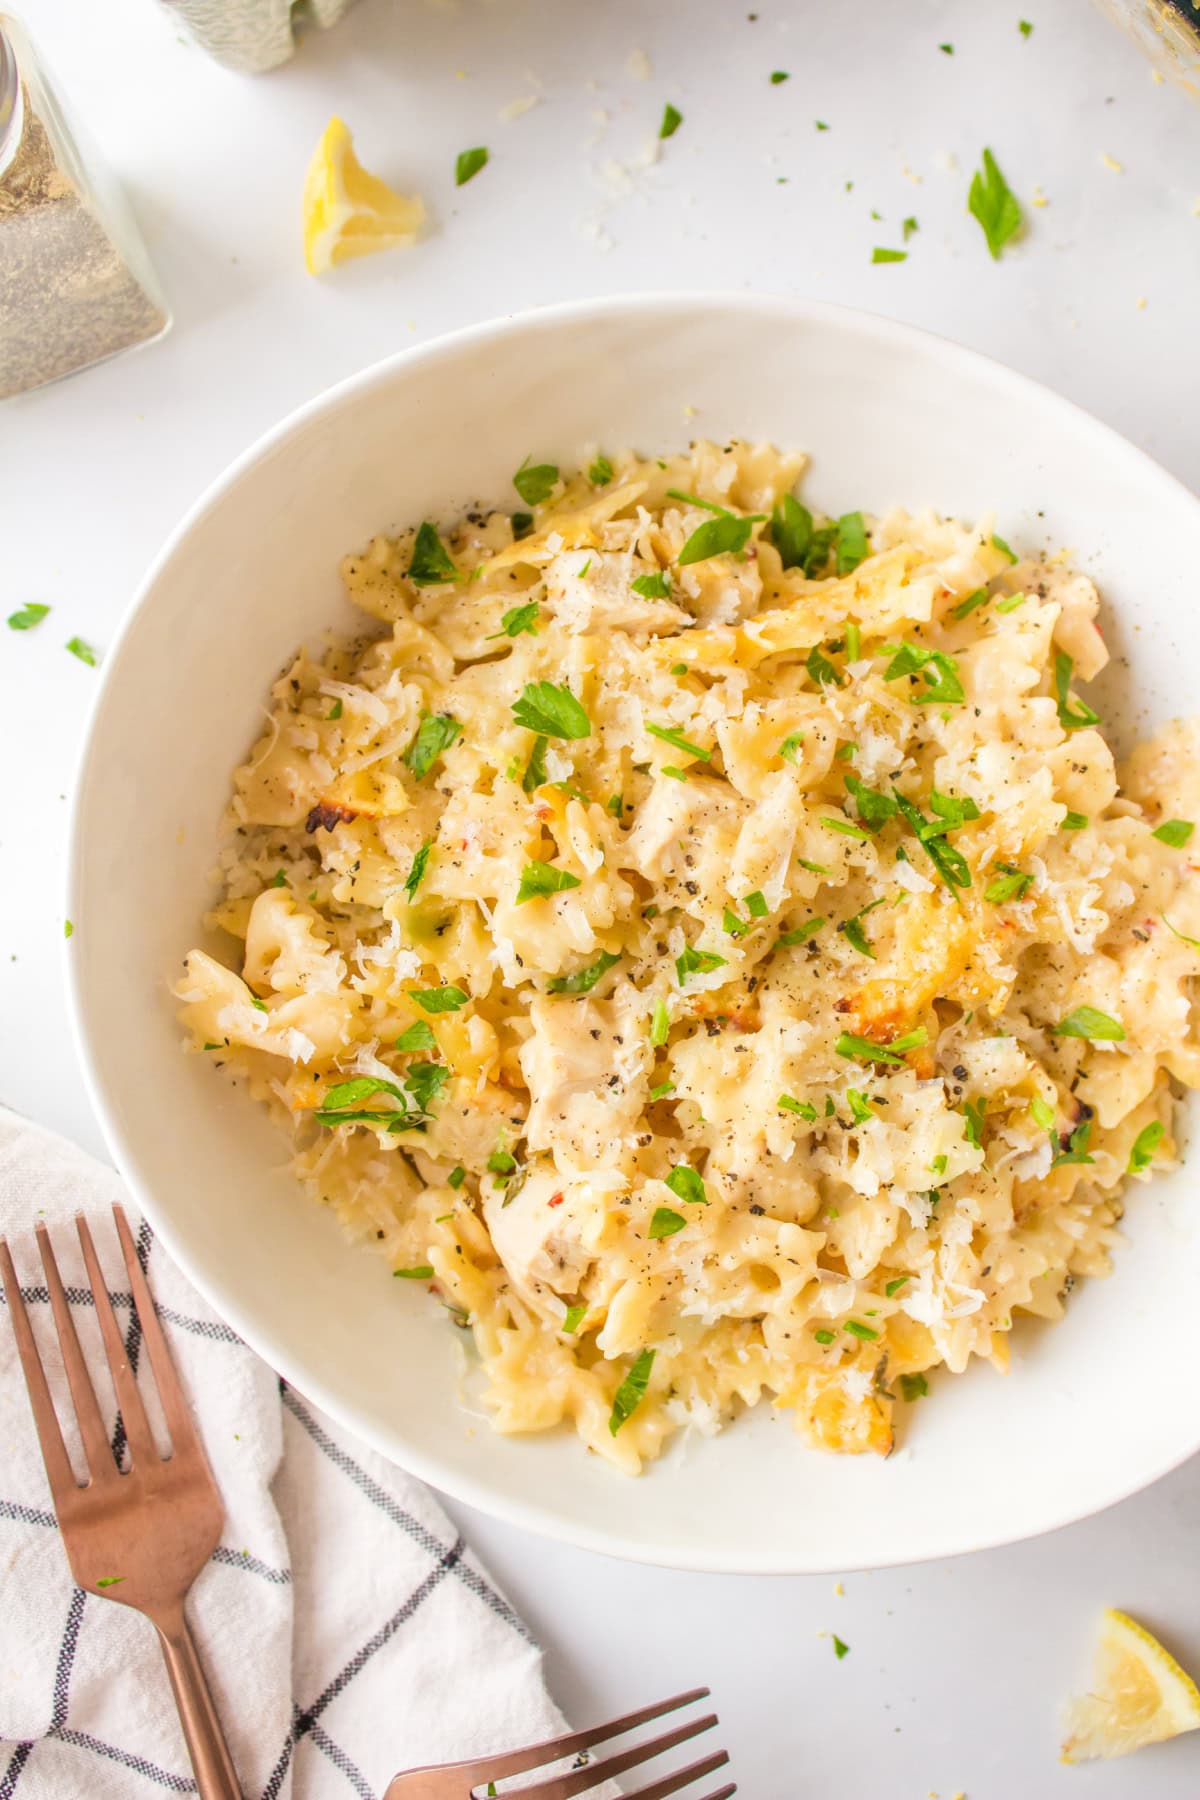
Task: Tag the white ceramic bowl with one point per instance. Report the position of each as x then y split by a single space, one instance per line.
1094 1408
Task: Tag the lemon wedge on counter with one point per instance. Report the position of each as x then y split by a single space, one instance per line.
347 211
1139 1695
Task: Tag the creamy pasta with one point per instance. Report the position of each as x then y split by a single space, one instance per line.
709 948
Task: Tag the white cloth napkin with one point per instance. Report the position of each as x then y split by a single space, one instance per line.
345 1627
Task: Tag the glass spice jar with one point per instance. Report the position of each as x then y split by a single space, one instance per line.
1169 33
75 282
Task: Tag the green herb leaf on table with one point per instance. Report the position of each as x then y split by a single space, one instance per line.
992 202
672 119
881 255
27 616
469 163
78 647
572 1319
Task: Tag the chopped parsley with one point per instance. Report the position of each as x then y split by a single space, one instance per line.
500 1162
1006 550
860 1107
109 1580
666 1222
814 868
1011 603
653 587
881 255
853 652
660 1024
68 928
24 619
804 1109
791 532
572 1319
335 711
82 650
686 1185
516 620
973 1114
778 75
552 711
840 1649
913 1387
601 472
661 1089
677 741
342 1105
908 226
821 124
790 746
279 879
535 481
1076 1150
431 562
874 808
1076 821
845 827
1010 884
440 999
722 536
672 119
950 863
674 773
416 874
469 163
535 769
866 1333
632 1390
539 879
732 925
800 934
457 1176
584 980
257 1004
435 734
893 1287
417 1037
863 1050
1042 1113
756 904
1025 28
821 669
1181 935
522 525
852 930
1088 1022
422 1272
697 962
853 545
939 669
946 49
1144 1145
978 598
993 203
1174 832
823 1336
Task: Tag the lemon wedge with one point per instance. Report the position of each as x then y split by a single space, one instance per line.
347 211
1140 1695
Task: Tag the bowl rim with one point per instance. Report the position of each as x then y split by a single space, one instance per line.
529 1516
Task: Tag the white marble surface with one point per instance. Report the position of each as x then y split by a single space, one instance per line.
955 1670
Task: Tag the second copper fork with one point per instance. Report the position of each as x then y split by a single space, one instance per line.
139 1537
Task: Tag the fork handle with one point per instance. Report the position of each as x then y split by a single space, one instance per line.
212 1765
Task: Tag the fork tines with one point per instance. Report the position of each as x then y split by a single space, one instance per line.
583 1780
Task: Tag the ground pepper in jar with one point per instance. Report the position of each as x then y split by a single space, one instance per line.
75 283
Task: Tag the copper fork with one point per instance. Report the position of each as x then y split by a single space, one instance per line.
139 1538
459 1781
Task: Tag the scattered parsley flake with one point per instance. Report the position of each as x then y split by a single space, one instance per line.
814 868
790 746
791 532
946 49
1144 1145
845 827
539 879
672 119
519 619
778 75
24 619
439 999
913 1387
653 587
535 769
893 1287
661 1089
601 472
469 163
993 203
435 734
418 1037
840 1649
335 711
572 1319
670 735
632 1390
660 1024
800 934
856 1328
874 807
697 962
978 598
584 980
939 670
1174 832
422 1272
880 254
756 904
552 711
83 650
686 1185
853 544
860 1107
107 1581
666 1222
803 1109
1088 1022
535 481
852 930
722 536
431 563
820 124
457 1176
1075 821
823 1336
1011 884
862 1049
1025 27
416 874
907 228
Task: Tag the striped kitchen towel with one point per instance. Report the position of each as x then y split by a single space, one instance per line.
346 1628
